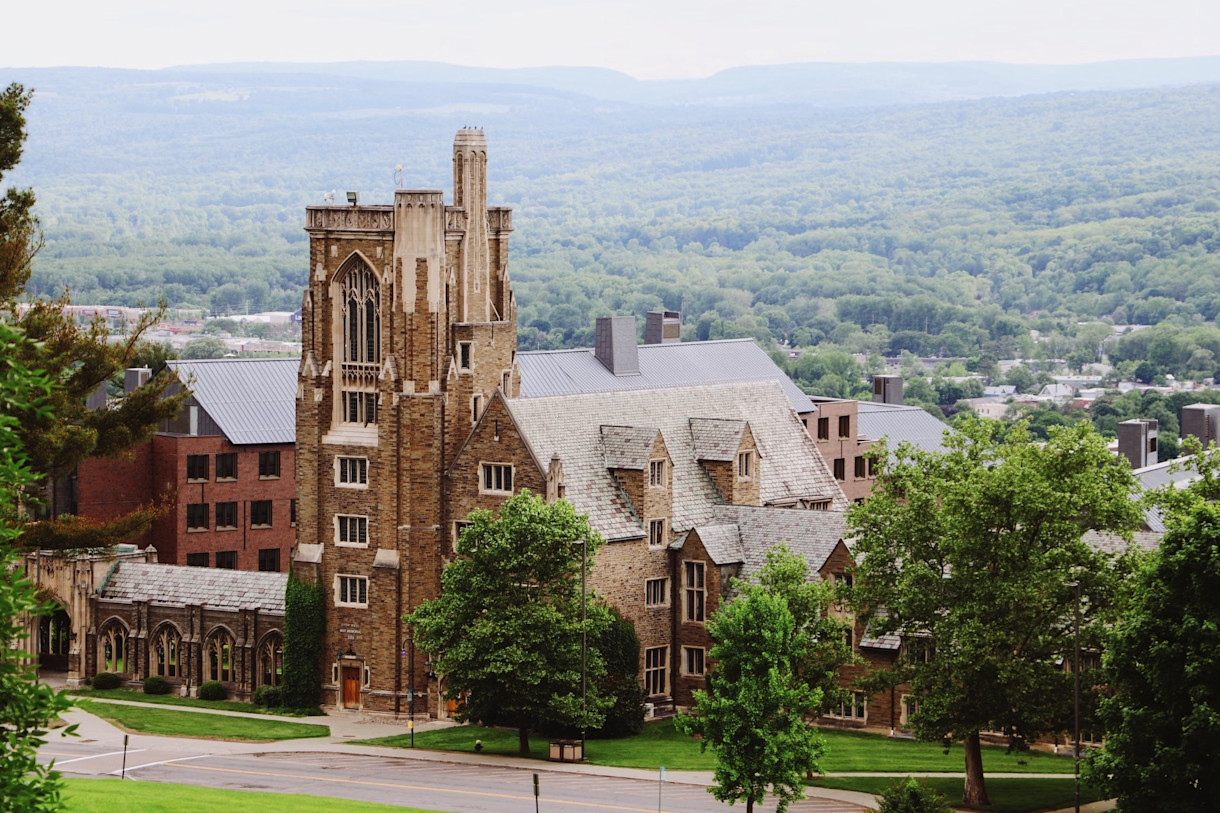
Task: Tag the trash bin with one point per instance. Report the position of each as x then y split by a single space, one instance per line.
567 751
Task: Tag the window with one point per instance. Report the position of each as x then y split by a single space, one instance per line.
844 577
197 516
271 661
351 530
260 513
196 467
656 592
351 591
166 645
226 515
497 478
656 474
861 467
361 298
694 592
464 356
840 468
459 527
226 559
910 707
197 560
847 636
655 677
872 467
360 407
504 379
351 472
476 406
269 560
745 462
220 657
656 533
292 512
268 464
844 426
823 428
855 707
226 466
692 660
920 650
112 644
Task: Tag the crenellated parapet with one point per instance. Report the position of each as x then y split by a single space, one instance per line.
349 218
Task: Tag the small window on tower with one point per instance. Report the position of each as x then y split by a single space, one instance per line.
464 356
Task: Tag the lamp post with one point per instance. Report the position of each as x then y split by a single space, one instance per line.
1076 681
408 647
584 643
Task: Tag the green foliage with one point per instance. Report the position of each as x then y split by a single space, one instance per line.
304 631
155 684
268 697
753 713
970 553
208 347
213 690
912 796
620 650
507 625
106 680
1163 665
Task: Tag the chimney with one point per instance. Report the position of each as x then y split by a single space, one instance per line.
1137 442
887 389
1202 421
615 345
135 377
663 327
97 398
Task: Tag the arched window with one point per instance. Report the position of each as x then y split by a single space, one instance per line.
271 660
167 644
54 633
361 303
220 656
112 649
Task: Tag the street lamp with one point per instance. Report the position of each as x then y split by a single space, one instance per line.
1076 680
584 643
408 649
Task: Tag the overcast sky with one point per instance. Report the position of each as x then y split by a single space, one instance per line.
645 38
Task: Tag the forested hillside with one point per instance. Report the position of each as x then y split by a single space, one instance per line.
947 228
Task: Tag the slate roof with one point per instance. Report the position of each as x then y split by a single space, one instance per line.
547 373
812 535
897 423
723 543
628 447
176 584
716 439
251 400
570 426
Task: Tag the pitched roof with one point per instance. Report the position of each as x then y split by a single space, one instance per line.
722 543
716 439
628 447
898 423
175 584
546 373
571 427
812 535
251 400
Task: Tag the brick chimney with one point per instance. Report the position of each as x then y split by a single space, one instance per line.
615 345
1137 441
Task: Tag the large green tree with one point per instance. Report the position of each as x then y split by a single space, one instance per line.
753 713
506 628
971 553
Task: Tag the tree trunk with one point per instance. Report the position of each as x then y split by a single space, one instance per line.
523 739
975 793
750 803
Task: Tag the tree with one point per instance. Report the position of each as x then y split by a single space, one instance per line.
27 707
753 713
506 629
208 347
970 553
1163 665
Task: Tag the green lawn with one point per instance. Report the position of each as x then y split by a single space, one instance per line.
115 796
1007 795
661 744
201 726
174 700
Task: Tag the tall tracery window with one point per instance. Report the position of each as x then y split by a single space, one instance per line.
220 657
167 646
112 646
271 661
361 298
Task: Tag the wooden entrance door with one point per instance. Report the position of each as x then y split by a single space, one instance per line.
351 687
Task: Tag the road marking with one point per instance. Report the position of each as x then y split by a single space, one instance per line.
95 756
162 762
299 777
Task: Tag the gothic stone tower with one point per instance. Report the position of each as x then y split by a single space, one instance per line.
409 327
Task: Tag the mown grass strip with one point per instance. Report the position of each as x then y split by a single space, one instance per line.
199 725
189 702
1007 795
115 796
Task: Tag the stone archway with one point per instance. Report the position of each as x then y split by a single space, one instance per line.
55 639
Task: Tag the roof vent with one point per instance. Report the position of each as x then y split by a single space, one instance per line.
663 327
1137 441
615 345
887 389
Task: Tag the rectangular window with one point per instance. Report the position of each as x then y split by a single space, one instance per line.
459 527
476 406
910 707
692 660
656 533
359 407
497 478
226 559
268 464
656 679
855 707
504 380
840 468
745 462
464 356
844 426
197 560
845 577
351 591
847 636
260 513
351 472
656 592
292 512
872 467
694 592
656 474
196 467
861 468
226 466
226 515
351 530
823 428
269 560
197 516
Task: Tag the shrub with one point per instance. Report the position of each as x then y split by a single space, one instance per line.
107 680
213 690
154 684
268 696
912 796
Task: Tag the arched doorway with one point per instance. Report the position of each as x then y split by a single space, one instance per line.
54 640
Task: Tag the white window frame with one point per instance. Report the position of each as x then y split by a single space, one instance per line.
656 671
459 525
346 524
361 467
909 706
694 595
745 465
688 653
658 471
492 474
347 584
465 356
656 588
657 536
856 708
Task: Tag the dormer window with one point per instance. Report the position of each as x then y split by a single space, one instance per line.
656 474
745 465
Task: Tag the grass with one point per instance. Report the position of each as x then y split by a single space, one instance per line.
662 744
202 726
115 796
190 702
1007 795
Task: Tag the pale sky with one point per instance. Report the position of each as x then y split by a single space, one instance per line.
649 39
